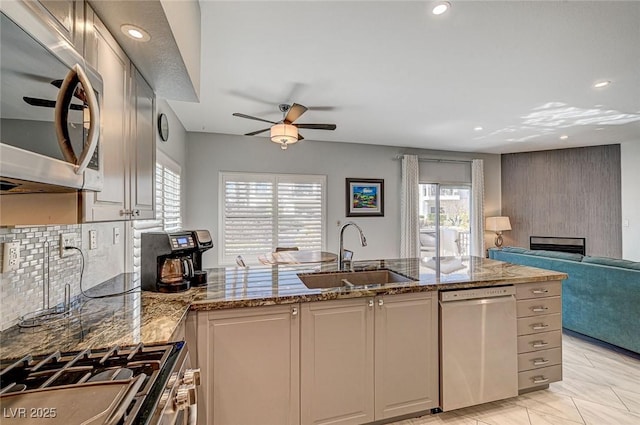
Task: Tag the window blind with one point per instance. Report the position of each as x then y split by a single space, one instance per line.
168 212
263 211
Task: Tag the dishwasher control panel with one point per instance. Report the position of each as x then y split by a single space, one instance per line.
473 293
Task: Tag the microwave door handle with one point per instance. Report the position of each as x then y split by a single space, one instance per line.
61 113
67 90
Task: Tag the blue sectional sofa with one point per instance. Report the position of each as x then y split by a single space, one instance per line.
601 297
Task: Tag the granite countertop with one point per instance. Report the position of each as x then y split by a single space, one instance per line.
152 318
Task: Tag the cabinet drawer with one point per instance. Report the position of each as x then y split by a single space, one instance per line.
539 359
541 341
538 290
537 307
538 324
539 377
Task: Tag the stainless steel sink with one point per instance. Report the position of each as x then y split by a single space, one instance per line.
349 279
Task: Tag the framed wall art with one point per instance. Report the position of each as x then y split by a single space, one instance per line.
365 197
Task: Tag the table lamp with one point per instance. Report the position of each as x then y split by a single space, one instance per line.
498 225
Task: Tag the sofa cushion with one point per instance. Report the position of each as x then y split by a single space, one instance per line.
517 249
625 264
555 254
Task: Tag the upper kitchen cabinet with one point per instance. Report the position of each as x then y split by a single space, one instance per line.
65 16
142 149
127 149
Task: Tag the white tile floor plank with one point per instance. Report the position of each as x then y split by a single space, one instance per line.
601 386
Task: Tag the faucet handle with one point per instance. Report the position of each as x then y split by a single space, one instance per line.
347 255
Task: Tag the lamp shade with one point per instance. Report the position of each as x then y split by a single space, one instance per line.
285 134
497 224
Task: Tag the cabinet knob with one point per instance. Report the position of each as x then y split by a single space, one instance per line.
540 291
380 302
370 303
294 311
539 344
540 362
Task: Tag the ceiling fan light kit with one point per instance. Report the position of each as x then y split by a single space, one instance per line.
285 134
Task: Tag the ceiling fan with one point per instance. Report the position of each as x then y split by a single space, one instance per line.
285 131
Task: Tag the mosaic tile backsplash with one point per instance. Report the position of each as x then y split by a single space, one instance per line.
22 291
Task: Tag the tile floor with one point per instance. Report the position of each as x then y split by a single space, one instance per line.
600 386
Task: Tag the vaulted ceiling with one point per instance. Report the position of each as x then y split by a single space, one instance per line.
487 76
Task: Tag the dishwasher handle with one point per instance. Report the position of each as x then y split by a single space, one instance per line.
477 301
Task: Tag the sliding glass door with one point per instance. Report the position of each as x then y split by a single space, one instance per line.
444 219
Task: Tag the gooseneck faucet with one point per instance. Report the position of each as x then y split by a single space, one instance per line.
363 241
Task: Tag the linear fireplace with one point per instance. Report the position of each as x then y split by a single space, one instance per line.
553 243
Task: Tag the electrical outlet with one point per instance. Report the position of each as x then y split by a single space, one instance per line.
116 235
67 239
93 239
11 256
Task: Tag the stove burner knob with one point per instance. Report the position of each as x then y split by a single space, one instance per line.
185 396
191 377
164 398
172 380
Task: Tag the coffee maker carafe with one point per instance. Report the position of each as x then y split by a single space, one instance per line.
172 262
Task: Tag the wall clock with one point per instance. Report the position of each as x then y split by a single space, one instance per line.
163 127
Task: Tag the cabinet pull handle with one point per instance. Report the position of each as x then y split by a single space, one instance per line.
380 302
538 326
370 303
540 291
540 362
294 311
539 344
540 379
539 309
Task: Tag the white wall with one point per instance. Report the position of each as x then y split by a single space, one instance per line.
629 160
175 146
208 154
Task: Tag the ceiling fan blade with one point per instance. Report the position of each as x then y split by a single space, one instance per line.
294 112
49 103
237 114
300 137
253 133
317 126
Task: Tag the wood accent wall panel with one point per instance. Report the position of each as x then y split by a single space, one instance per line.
568 192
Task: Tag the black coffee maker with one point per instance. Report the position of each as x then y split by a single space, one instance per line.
172 261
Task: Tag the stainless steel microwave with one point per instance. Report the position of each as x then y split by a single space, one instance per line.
50 112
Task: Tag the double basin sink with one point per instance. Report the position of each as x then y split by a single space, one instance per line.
349 279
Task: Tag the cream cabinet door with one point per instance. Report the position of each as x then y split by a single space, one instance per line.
406 354
142 151
249 361
104 53
336 362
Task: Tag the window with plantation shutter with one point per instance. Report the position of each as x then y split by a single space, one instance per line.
168 215
263 211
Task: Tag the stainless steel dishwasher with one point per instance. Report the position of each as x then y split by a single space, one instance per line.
479 352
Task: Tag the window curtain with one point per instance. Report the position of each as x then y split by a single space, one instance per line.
477 208
409 210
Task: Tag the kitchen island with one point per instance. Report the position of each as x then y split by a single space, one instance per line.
152 318
350 354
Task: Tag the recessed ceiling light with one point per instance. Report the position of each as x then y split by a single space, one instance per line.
135 32
440 7
564 137
601 84
478 128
